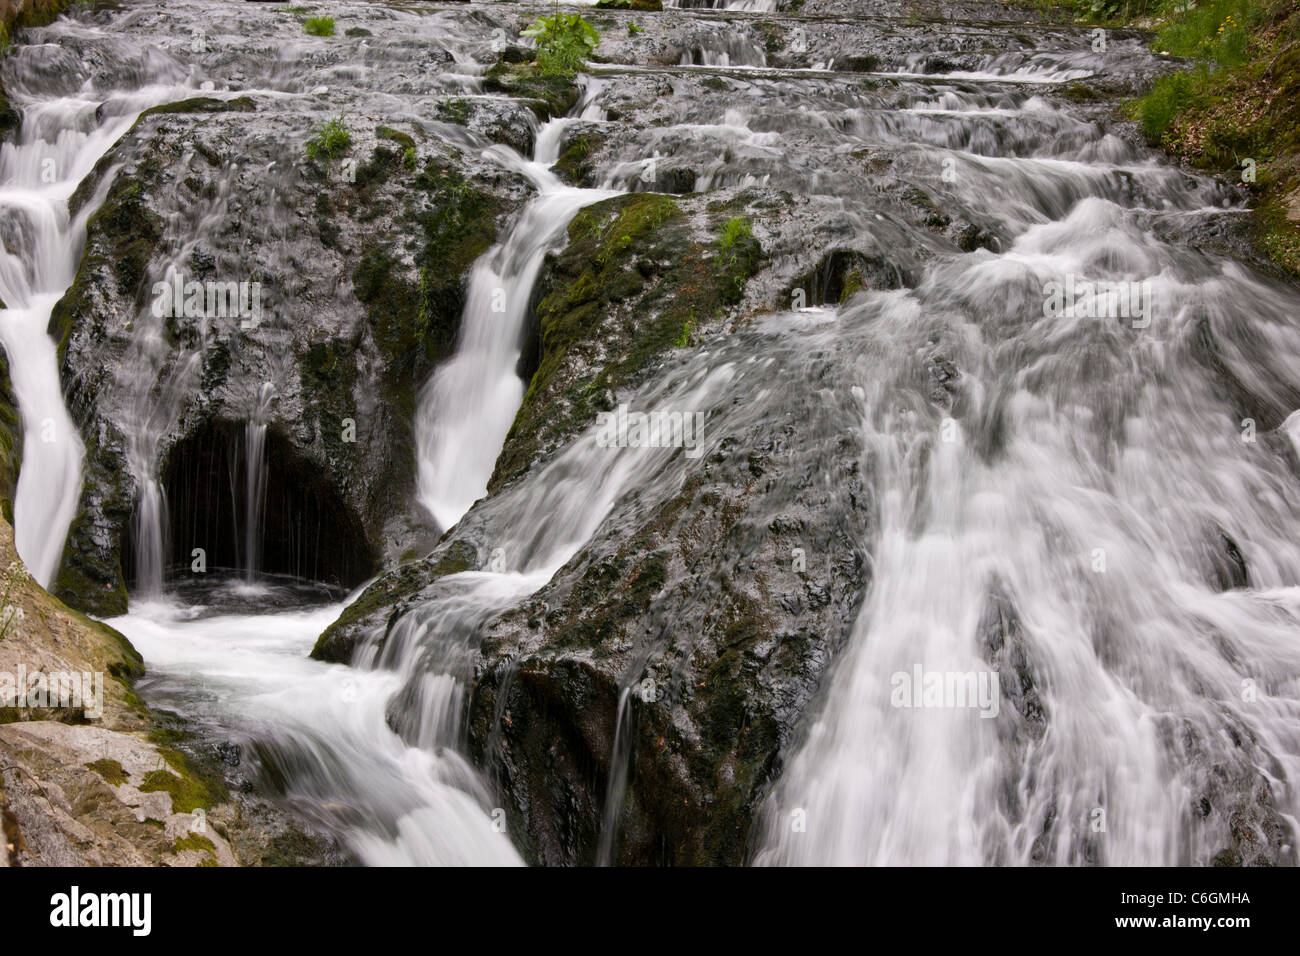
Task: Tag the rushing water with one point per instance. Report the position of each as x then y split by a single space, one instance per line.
1061 522
466 409
61 139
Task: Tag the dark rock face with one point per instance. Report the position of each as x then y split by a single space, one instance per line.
635 281
678 622
309 531
360 301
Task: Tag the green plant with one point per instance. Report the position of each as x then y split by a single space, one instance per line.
319 26
408 157
1217 31
684 337
633 29
456 110
1169 96
733 230
331 140
738 253
564 42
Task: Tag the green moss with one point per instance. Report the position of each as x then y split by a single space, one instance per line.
548 95
1080 93
90 577
455 110
319 26
632 255
112 772
186 796
169 736
189 789
204 104
328 372
10 442
415 326
194 841
405 140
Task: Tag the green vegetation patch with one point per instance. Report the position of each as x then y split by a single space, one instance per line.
564 42
1233 111
319 26
330 141
194 841
547 94
632 285
112 771
415 326
189 789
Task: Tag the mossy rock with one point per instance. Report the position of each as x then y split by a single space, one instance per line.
189 789
10 441
111 770
575 164
383 600
633 283
204 104
548 96
405 140
415 323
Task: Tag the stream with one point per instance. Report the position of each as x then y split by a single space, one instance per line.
1091 467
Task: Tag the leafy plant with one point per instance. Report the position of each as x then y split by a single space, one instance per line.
733 231
319 26
1169 96
564 42
456 110
633 29
332 140
738 252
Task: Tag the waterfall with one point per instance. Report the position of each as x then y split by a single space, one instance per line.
255 470
1052 495
59 143
466 409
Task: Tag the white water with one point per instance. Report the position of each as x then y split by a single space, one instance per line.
467 407
255 466
392 804
1099 522
1113 442
60 142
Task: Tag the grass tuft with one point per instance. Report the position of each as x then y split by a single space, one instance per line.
319 26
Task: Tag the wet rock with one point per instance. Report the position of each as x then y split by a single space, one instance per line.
360 301
633 284
1001 635
1227 566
